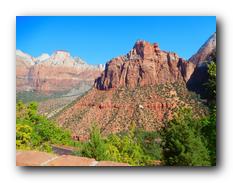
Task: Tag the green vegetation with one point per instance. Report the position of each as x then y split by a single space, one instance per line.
184 97
184 144
209 132
34 131
192 141
188 141
128 147
210 129
150 142
211 84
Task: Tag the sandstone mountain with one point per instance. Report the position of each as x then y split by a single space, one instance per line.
144 86
23 64
204 55
144 65
56 73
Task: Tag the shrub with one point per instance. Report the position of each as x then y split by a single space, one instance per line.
128 150
34 131
23 136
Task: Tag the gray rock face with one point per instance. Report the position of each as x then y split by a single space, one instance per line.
204 53
201 59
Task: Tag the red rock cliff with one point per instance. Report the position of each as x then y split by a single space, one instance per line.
144 65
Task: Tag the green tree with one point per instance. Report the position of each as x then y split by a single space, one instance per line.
211 84
150 142
209 130
209 133
183 142
96 146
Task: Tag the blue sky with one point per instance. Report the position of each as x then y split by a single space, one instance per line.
98 39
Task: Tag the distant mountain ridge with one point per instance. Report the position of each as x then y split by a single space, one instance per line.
53 73
59 57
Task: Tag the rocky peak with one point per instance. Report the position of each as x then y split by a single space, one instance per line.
42 57
144 65
60 58
79 61
20 55
60 55
144 50
200 74
204 53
